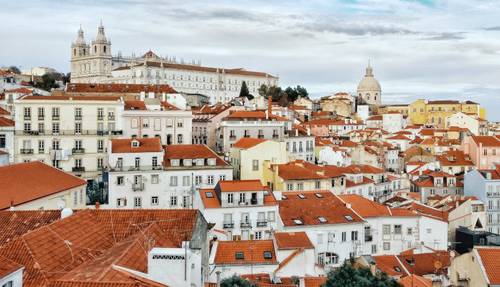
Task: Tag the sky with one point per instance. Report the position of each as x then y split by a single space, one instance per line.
446 49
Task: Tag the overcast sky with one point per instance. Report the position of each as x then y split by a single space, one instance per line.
418 49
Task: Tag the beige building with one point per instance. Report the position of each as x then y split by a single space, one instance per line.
35 185
341 104
249 154
477 268
472 122
369 89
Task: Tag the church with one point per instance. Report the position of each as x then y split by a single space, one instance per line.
93 62
369 91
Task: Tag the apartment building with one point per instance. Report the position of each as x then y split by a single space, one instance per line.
207 119
437 183
484 151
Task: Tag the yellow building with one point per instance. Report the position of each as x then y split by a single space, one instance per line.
400 109
436 112
249 154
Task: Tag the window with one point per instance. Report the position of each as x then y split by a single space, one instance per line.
120 202
409 231
197 179
186 180
387 246
210 179
242 197
3 141
137 201
354 235
41 145
344 236
100 163
179 139
289 186
320 238
255 164
41 113
317 184
374 248
173 180
258 236
230 198
155 179
27 127
137 162
154 200
398 229
386 229
173 200
55 128
271 216
300 186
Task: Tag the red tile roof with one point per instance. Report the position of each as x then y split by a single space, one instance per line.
489 259
487 141
240 185
246 143
253 252
38 180
145 145
72 98
16 223
84 246
8 267
390 264
135 105
314 281
399 137
118 88
415 281
5 122
309 206
299 169
190 151
4 112
292 240
261 115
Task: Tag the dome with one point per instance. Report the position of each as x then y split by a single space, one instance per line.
369 83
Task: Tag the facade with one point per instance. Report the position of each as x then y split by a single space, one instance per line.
7 127
436 113
485 185
470 214
254 124
437 183
393 122
248 156
471 122
35 185
156 118
340 104
479 267
369 90
484 151
93 63
240 209
300 144
71 133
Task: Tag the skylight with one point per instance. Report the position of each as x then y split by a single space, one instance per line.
209 194
239 255
297 221
348 217
322 219
301 196
268 255
319 195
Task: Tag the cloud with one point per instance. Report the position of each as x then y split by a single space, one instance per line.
445 36
494 28
355 29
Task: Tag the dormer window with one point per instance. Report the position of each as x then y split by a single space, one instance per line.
135 143
187 162
298 222
200 161
211 161
322 219
175 162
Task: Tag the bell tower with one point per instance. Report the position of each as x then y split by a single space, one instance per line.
80 51
100 52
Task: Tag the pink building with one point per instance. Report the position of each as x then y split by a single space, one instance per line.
484 151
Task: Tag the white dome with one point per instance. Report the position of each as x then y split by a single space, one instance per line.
369 83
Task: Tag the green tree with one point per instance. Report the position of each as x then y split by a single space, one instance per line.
14 70
48 82
302 92
263 90
236 281
292 94
348 276
244 93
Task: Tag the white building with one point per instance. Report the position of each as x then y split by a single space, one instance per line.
93 63
155 118
69 132
389 231
485 185
472 122
335 230
12 273
393 122
7 137
242 209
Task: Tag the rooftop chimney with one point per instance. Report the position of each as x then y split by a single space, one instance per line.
270 105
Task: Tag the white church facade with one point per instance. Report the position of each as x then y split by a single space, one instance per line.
93 63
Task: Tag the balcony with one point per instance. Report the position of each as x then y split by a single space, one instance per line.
55 117
228 225
100 150
245 224
41 117
260 136
253 201
78 169
27 117
138 186
100 117
231 137
78 117
261 223
78 150
117 133
26 151
111 117
368 238
102 133
246 135
275 136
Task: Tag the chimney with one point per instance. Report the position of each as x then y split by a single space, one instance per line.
217 273
296 132
270 105
142 95
163 97
97 205
308 130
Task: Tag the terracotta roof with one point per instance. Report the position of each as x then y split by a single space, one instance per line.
5 122
264 280
261 115
491 264
309 207
314 281
8 267
118 88
190 151
292 240
252 251
38 180
350 183
390 264
72 98
135 105
246 143
399 137
240 185
454 158
375 118
4 112
16 223
415 281
210 199
145 145
426 210
424 263
487 141
20 91
84 246
299 169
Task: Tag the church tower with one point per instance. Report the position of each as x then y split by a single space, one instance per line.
369 90
79 53
100 54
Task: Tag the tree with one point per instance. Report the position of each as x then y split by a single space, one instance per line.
263 90
302 92
244 93
292 94
348 276
48 82
66 78
14 70
236 281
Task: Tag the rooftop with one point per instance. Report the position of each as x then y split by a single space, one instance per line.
292 240
245 252
138 145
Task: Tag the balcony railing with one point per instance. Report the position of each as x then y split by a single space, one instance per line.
368 238
138 186
245 224
41 118
261 223
78 169
228 224
78 150
26 151
100 117
275 136
78 117
67 132
260 136
111 118
116 132
99 150
55 117
27 117
136 168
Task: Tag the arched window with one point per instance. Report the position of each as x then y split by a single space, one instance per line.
74 52
95 49
104 49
